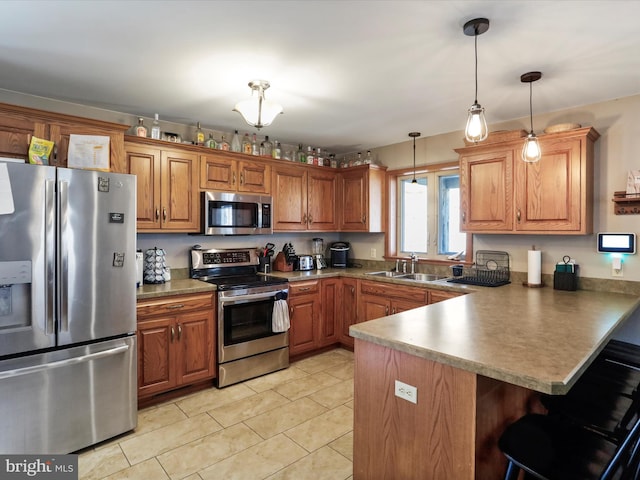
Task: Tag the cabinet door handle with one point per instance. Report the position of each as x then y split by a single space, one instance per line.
518 215
173 307
157 214
179 332
173 334
164 214
310 218
364 219
353 290
242 179
394 310
233 180
304 289
464 217
386 310
304 218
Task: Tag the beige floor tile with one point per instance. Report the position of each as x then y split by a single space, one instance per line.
321 430
156 417
163 439
306 385
249 407
285 417
98 463
213 398
323 464
343 371
322 362
200 454
345 353
334 395
344 445
257 462
274 379
147 470
349 404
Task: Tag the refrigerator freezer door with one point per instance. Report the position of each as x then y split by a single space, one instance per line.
27 260
97 255
66 400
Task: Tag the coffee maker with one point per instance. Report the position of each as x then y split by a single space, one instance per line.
340 254
317 249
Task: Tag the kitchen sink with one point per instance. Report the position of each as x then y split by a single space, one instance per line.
386 274
422 277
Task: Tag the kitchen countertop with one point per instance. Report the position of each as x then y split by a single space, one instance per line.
538 338
174 287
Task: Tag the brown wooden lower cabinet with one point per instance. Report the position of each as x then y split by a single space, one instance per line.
348 314
176 342
304 313
450 433
379 299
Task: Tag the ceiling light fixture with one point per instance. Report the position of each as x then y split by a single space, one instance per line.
531 152
476 129
414 135
257 111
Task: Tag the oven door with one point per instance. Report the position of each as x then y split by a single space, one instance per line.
245 323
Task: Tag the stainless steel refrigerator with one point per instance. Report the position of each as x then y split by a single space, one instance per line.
67 308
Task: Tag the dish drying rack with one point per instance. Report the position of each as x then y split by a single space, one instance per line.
491 269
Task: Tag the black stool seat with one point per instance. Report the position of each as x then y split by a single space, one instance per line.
550 449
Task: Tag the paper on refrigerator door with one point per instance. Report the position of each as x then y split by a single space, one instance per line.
6 195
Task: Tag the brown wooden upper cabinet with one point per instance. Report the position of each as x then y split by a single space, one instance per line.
362 199
221 171
19 124
167 187
304 198
500 193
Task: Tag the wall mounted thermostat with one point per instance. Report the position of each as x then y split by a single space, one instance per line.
616 243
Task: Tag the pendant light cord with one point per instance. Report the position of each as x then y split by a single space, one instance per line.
414 161
531 105
476 55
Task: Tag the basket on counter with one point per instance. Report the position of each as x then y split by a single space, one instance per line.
491 269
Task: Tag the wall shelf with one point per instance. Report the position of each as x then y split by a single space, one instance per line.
626 203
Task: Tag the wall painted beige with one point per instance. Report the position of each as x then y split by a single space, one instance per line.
616 152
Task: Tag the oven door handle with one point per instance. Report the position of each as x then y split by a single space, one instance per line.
248 298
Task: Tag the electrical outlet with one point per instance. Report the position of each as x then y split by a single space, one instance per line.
616 268
406 392
372 254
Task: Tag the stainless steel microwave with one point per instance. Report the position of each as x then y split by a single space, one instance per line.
236 214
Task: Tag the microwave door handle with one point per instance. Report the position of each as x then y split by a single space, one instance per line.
50 258
64 255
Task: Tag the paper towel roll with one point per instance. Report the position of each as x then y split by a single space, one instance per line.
534 271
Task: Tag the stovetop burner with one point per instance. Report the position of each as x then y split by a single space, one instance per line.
229 269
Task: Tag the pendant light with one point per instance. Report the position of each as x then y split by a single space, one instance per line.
476 129
257 111
531 152
414 135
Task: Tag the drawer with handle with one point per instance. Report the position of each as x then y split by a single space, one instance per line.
174 305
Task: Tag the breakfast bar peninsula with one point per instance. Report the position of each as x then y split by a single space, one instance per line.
477 362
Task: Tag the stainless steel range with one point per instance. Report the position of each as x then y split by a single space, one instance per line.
247 345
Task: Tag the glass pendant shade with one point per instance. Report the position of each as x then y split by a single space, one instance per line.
258 111
531 152
476 130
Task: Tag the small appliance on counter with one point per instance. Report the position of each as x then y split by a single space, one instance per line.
155 266
318 253
339 254
305 262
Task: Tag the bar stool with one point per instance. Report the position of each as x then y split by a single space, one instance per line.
549 449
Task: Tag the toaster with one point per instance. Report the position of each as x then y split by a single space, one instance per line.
305 262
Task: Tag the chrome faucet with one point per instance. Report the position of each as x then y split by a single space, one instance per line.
414 261
404 266
397 264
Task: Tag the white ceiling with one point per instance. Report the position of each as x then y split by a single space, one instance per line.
350 74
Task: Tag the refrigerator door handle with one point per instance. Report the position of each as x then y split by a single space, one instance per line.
63 277
63 363
50 256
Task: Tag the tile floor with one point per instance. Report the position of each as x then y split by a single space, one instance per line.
292 424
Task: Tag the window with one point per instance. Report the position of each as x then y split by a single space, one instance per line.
427 213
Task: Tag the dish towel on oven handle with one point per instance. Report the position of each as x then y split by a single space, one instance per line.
280 318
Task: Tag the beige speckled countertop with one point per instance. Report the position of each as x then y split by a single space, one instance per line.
538 338
174 287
